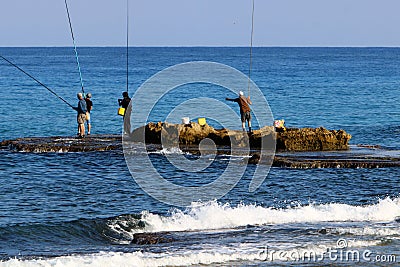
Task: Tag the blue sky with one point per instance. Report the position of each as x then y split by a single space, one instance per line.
201 22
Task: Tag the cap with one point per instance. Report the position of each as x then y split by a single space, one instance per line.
88 95
241 93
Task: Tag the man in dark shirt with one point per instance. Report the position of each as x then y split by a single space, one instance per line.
124 103
89 105
245 111
81 109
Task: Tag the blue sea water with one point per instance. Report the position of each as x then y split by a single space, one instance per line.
76 209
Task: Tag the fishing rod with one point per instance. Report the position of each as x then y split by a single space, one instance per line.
73 41
127 46
251 47
36 80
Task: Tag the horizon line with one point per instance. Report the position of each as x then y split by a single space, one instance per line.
204 46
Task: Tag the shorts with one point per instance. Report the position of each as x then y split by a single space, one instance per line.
246 116
81 118
88 117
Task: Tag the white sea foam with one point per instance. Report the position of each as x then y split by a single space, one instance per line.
216 216
242 253
138 259
134 259
169 151
65 140
368 230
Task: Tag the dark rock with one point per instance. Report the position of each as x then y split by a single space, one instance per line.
323 231
254 159
64 144
151 238
352 161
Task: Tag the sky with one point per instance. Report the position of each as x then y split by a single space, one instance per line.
201 22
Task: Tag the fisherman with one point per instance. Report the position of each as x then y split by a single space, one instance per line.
89 106
124 103
245 111
81 109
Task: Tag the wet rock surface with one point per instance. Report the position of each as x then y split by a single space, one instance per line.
353 161
64 144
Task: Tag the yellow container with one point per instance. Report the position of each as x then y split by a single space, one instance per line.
121 111
202 121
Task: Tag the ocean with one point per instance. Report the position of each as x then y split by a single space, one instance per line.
85 209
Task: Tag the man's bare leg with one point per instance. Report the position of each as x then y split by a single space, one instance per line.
82 129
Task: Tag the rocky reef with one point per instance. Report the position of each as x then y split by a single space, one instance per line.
189 137
295 148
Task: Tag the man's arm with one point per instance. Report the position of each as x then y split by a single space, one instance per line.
249 101
232 99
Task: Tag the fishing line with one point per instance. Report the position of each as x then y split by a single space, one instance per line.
73 41
36 80
251 48
127 46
